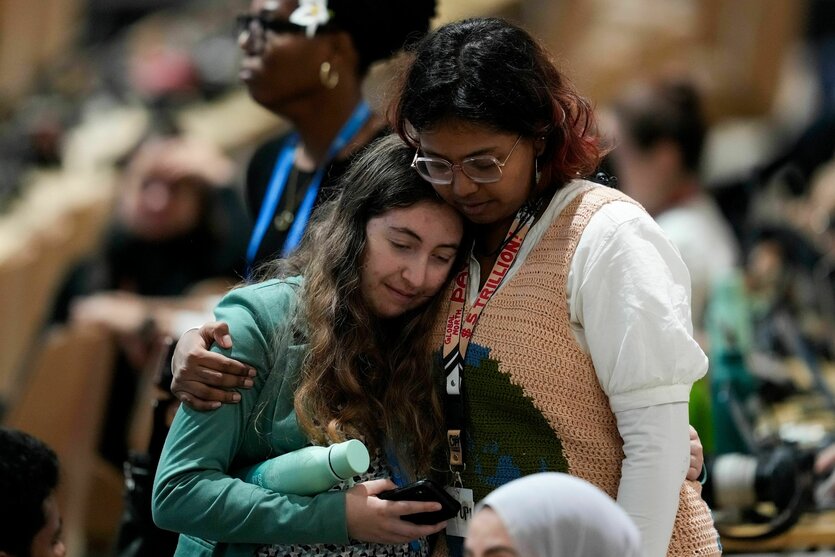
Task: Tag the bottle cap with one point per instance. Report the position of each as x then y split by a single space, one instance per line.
349 458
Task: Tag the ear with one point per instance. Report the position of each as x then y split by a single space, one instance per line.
539 145
341 51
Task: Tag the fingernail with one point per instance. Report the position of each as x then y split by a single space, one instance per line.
227 340
215 405
252 372
236 397
247 382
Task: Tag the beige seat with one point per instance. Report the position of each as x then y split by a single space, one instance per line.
62 401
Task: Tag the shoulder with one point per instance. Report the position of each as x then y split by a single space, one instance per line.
601 210
268 301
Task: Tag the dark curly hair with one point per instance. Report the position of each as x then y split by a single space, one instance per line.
28 475
490 72
379 28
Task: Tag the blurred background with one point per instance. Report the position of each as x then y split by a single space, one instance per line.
81 82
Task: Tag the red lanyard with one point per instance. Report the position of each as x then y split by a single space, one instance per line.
459 331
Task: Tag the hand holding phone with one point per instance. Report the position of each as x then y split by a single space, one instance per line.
424 490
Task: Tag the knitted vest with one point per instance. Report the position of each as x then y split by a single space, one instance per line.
533 399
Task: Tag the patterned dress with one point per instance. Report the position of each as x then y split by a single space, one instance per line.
378 470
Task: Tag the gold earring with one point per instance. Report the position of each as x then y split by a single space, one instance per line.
328 76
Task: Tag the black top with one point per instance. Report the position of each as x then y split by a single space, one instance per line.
258 176
215 248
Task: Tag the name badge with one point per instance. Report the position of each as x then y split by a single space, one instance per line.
457 526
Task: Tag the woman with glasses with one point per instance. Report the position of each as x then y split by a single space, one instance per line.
305 60
566 343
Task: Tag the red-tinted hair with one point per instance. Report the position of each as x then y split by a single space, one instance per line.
492 73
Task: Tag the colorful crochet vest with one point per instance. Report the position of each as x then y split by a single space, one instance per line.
533 398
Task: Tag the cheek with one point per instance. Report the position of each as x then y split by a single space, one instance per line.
373 263
444 191
437 279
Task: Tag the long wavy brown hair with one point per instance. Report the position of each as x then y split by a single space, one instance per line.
363 377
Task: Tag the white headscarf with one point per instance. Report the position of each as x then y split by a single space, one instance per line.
557 515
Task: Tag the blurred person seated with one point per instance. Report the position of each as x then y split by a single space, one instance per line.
175 243
659 131
29 510
551 514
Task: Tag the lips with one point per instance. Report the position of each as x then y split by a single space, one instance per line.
402 295
249 67
472 208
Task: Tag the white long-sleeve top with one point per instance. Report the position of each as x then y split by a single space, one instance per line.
629 302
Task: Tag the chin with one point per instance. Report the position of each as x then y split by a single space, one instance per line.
390 311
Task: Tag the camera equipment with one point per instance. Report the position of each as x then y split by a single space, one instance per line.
769 490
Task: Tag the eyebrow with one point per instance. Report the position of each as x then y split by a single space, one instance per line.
484 151
413 234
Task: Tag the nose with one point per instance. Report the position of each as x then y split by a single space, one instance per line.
462 185
248 40
414 272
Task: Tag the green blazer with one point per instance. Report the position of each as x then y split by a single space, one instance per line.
195 491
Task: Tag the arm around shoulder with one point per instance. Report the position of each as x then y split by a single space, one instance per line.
194 492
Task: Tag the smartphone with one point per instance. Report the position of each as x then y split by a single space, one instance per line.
425 490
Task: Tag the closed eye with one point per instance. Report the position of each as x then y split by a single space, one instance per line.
400 246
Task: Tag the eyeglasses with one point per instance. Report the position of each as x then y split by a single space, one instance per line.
258 25
481 169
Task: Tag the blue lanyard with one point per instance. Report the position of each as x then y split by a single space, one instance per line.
400 481
394 465
278 181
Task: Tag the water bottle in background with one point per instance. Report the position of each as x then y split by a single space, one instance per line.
310 470
730 328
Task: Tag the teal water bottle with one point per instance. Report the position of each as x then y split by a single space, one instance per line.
730 330
310 470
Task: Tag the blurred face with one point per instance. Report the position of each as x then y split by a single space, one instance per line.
159 201
644 175
488 537
491 203
408 256
280 65
47 542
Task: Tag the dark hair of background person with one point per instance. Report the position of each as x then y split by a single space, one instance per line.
28 475
485 71
378 29
670 111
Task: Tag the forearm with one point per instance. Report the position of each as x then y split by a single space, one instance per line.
656 449
217 507
193 494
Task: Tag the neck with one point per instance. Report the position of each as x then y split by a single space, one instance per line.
319 118
490 237
686 189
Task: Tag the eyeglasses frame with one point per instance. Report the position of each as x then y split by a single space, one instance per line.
280 26
460 166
